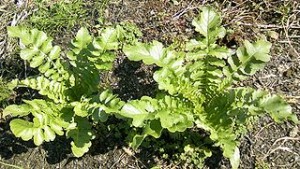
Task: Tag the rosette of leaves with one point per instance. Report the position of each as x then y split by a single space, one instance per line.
72 98
197 87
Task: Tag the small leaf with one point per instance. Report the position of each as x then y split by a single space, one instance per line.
136 112
49 134
137 141
250 48
108 40
99 115
38 37
54 125
156 51
43 68
47 46
273 35
151 54
35 104
208 21
54 53
80 109
81 135
22 128
20 32
49 72
80 151
17 110
37 60
38 137
15 31
194 44
220 52
83 38
235 159
153 129
278 109
104 95
28 53
263 47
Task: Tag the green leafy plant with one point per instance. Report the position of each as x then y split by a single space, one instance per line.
187 149
197 87
195 155
196 81
72 100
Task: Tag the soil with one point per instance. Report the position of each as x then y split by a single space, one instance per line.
267 145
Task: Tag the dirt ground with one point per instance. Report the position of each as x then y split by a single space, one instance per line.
268 145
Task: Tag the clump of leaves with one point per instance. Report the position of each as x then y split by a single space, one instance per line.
195 155
187 149
73 99
197 87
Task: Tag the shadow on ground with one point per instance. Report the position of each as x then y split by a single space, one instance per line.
110 150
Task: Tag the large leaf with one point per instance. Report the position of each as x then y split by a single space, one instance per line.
279 110
156 114
234 156
153 128
22 128
17 110
47 121
52 89
137 141
150 54
249 59
40 53
20 32
38 37
208 24
81 135
108 40
82 39
79 151
138 111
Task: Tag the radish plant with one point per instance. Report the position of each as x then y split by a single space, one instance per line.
196 83
69 84
197 87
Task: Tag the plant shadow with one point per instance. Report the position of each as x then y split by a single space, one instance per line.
10 145
169 149
112 137
135 79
